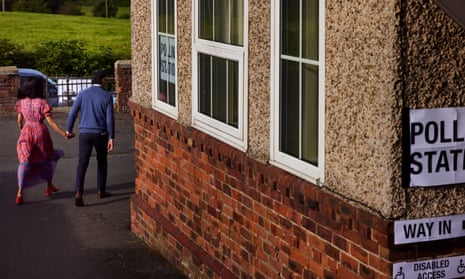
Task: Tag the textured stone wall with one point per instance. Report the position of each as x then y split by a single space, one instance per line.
141 52
363 132
259 54
434 76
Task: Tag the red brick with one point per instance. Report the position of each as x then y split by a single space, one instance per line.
185 181
349 262
359 253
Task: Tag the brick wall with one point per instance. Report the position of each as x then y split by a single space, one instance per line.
8 90
123 84
216 213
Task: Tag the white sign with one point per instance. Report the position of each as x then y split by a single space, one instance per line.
437 146
167 57
444 268
429 229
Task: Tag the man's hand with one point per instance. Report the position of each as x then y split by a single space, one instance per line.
110 145
69 135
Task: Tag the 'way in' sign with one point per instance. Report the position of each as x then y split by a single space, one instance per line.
429 229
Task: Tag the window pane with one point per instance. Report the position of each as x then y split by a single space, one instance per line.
290 27
162 90
233 93
171 94
310 29
162 16
206 19
310 114
218 88
289 108
237 22
204 84
170 27
222 19
219 72
166 69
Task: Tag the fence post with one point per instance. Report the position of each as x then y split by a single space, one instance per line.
9 86
123 84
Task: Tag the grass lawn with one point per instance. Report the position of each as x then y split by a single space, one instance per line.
29 29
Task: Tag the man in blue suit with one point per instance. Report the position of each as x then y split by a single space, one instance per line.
97 130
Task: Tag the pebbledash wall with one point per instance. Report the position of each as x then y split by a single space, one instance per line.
218 212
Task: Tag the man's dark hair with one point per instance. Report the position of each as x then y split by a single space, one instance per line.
33 87
98 76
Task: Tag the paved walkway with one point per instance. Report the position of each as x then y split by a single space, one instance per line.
51 238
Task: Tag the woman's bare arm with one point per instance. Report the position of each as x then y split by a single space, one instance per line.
55 126
20 121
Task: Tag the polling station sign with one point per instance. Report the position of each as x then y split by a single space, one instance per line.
446 268
437 146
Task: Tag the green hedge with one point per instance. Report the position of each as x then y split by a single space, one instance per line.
63 57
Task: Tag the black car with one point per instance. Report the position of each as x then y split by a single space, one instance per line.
52 87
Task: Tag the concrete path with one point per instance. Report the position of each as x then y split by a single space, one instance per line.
51 238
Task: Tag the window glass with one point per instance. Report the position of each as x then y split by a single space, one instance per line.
166 52
310 29
219 71
206 19
310 114
170 17
204 90
218 88
289 111
222 21
290 27
162 16
299 83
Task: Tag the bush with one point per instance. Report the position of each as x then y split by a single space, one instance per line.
8 52
62 57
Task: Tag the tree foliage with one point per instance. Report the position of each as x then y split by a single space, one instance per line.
105 8
33 6
70 8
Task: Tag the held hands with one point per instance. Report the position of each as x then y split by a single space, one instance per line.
69 135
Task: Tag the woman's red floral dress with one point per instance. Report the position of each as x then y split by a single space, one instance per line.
36 155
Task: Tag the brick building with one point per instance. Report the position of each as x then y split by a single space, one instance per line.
269 134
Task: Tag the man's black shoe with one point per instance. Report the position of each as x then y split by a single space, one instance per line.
79 202
103 194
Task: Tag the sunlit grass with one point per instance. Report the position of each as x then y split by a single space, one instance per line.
30 29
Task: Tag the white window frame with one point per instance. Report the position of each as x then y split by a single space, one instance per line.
305 170
158 105
237 137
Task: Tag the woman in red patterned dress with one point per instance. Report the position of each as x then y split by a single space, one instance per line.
36 155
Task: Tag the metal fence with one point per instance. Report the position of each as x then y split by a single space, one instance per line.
62 91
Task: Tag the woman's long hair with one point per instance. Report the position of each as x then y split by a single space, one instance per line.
34 87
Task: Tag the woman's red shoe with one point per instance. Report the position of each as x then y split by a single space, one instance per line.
19 200
50 190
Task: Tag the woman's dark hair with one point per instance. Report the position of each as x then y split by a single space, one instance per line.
33 88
